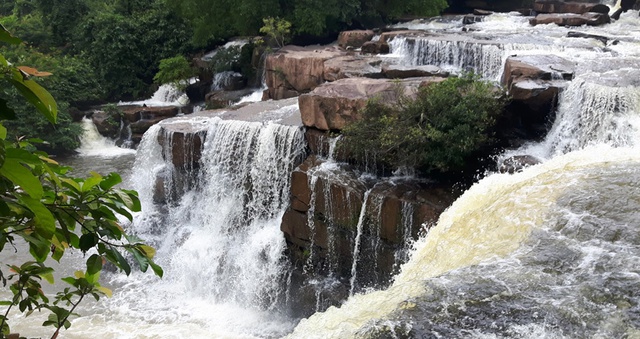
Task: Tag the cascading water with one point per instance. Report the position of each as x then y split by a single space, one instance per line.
594 111
544 251
166 95
550 252
219 242
92 143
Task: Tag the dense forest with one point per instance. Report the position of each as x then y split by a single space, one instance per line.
110 50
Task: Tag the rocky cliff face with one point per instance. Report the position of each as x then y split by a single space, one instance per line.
347 230
350 232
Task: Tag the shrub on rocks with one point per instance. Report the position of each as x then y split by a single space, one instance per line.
440 130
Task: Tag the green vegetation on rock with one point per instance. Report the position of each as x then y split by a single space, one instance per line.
446 124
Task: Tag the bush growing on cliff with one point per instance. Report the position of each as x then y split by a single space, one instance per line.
176 71
439 130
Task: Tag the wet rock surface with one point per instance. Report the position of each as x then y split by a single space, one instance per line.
327 227
333 105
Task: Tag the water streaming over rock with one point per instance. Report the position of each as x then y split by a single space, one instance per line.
550 252
92 143
226 226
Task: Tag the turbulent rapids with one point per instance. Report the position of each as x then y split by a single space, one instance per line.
550 252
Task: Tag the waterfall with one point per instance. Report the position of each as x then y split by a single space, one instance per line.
220 242
593 110
549 252
224 80
166 95
356 249
457 54
528 219
92 143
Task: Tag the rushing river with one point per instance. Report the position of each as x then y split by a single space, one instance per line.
550 252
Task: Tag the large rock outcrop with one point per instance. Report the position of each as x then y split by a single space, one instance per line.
336 218
333 105
354 38
533 83
559 6
352 66
295 70
571 19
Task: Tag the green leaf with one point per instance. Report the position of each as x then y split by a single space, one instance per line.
45 222
125 198
3 130
69 280
48 277
110 180
156 269
147 251
39 249
94 264
2 151
6 112
71 184
121 261
105 291
91 182
88 241
23 156
5 36
37 96
21 176
142 260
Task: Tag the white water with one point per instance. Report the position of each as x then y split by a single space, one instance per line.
475 275
96 145
221 245
356 249
166 95
253 97
224 283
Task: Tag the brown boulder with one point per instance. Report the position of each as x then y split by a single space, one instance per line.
352 66
538 96
558 6
393 71
472 19
542 67
221 99
294 70
374 47
295 229
570 19
183 143
300 191
108 124
386 37
402 207
355 38
333 105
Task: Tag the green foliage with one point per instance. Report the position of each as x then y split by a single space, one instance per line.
176 71
446 124
277 29
72 83
124 50
62 17
233 58
221 20
46 212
